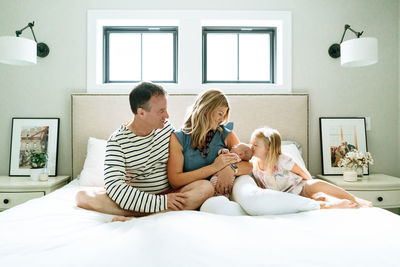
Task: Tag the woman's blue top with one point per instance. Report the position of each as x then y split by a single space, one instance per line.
192 157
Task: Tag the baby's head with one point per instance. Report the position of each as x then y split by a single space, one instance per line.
243 150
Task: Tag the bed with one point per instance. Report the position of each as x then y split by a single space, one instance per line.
52 231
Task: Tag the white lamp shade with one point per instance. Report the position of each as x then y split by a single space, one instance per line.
17 51
359 52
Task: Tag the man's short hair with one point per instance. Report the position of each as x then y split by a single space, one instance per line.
141 94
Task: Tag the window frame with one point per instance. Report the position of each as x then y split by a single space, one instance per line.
190 23
107 30
271 31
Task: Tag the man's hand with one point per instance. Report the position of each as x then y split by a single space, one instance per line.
225 181
176 201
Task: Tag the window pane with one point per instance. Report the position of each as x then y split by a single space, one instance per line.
124 52
221 57
254 57
158 57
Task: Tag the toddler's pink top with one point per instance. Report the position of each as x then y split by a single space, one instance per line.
281 179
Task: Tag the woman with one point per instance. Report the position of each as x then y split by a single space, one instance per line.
194 148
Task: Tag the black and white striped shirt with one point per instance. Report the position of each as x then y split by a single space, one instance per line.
135 169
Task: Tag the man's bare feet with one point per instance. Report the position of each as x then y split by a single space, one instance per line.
364 203
339 204
122 218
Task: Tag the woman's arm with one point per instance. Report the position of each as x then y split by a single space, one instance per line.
231 140
177 178
244 167
225 176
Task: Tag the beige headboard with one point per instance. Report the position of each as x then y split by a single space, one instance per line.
100 115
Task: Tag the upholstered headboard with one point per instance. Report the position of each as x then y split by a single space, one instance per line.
100 115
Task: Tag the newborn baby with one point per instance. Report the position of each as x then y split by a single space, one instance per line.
243 151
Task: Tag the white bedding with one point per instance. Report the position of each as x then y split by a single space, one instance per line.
52 231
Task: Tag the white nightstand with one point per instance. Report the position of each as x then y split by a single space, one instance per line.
17 190
383 190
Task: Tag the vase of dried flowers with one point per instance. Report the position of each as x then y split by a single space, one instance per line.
360 171
355 161
349 174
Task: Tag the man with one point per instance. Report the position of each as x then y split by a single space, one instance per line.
135 167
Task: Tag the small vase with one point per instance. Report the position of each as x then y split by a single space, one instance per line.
35 174
44 177
349 174
360 172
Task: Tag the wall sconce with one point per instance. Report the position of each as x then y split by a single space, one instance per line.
355 52
21 51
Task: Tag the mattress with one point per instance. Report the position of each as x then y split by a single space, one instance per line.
53 231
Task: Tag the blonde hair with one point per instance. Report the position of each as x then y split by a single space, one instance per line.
272 141
198 121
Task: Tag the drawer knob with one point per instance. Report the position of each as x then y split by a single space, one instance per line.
380 199
6 201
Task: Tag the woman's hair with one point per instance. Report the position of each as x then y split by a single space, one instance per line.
272 141
198 121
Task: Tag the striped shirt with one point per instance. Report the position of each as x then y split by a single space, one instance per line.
135 169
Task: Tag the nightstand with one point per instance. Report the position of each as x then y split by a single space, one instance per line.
382 190
17 190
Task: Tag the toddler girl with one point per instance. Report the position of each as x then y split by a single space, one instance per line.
274 170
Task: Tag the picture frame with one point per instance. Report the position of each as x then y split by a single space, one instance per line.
38 134
338 136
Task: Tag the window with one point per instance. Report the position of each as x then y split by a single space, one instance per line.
133 54
239 55
256 61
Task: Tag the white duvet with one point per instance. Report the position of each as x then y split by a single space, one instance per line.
52 231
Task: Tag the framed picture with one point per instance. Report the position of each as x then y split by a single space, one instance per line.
339 136
38 134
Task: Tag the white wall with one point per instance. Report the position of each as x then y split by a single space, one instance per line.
44 90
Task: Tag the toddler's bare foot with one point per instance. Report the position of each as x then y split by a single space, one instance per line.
339 204
122 219
319 196
364 203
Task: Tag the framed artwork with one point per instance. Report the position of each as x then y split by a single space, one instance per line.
339 136
33 134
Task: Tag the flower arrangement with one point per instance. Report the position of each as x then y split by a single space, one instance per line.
355 159
37 159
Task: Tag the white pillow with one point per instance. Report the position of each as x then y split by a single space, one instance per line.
293 151
223 206
93 168
257 201
289 142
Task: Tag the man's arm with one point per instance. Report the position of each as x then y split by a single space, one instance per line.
127 196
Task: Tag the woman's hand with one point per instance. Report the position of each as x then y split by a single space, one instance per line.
225 181
224 160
